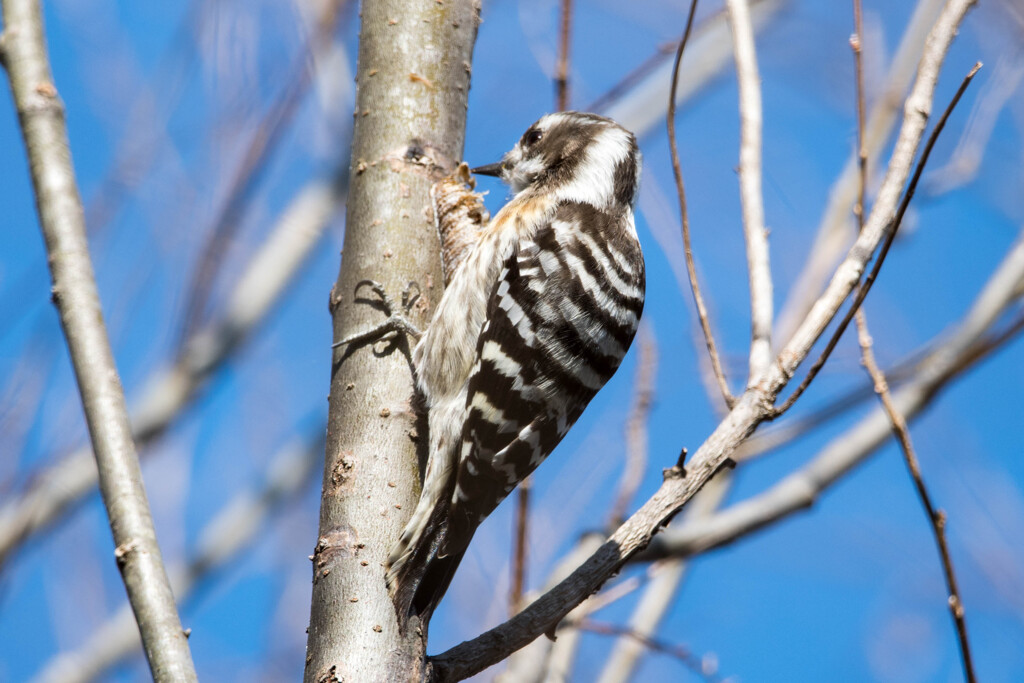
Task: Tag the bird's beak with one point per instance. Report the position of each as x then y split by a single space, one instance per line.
489 169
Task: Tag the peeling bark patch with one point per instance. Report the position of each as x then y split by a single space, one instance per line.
334 298
46 89
339 542
417 78
330 676
419 156
122 551
343 474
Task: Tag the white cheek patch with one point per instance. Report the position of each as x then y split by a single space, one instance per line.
594 181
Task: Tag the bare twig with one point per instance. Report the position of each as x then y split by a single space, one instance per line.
41 115
752 408
865 287
754 232
519 546
691 268
705 667
856 42
937 518
170 390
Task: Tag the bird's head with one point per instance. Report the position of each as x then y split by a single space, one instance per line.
573 156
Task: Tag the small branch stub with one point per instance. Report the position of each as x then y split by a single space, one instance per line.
677 471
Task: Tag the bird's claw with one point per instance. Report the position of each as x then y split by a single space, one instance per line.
396 322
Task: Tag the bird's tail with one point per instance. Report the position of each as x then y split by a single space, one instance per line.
421 567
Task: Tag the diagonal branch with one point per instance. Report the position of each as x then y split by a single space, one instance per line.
42 118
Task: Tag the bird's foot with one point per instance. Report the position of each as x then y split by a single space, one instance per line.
396 323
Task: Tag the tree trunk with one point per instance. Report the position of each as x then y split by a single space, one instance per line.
413 83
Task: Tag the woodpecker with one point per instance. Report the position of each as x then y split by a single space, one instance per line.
536 318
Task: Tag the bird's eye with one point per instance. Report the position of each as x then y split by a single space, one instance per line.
532 136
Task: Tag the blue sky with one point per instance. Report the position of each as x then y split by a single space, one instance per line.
849 590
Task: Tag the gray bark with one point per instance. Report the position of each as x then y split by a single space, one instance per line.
412 89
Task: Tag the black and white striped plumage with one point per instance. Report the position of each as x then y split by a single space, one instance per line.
535 320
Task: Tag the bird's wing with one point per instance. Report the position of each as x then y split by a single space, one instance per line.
560 318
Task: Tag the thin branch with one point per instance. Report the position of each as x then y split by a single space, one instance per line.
519 546
691 268
750 410
865 287
856 42
61 217
170 390
751 199
706 667
937 518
